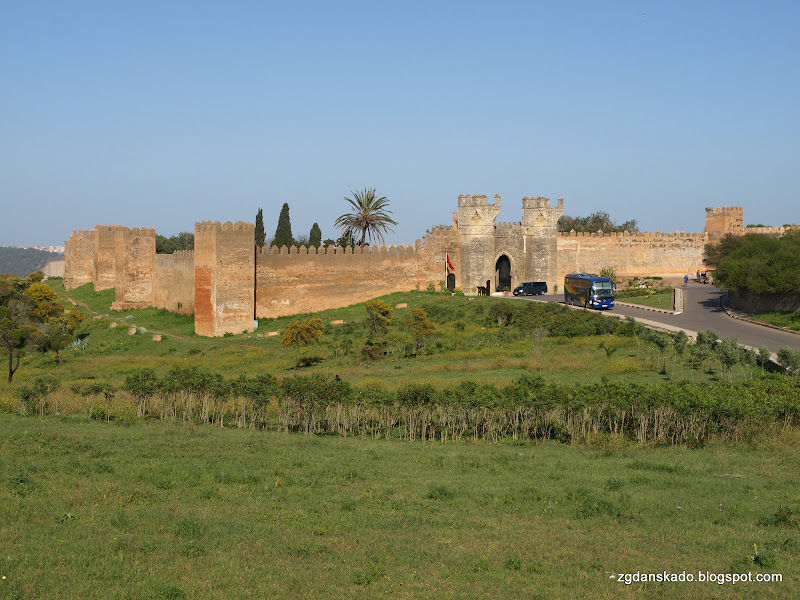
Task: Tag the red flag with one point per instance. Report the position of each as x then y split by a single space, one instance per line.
447 260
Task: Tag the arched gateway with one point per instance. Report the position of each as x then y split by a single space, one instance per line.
502 273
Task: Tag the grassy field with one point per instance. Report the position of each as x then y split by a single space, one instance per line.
662 301
463 347
163 510
787 320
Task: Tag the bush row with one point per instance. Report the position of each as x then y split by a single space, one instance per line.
528 409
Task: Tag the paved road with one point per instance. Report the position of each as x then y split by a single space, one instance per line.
702 311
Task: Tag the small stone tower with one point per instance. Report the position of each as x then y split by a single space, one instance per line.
540 231
475 219
722 220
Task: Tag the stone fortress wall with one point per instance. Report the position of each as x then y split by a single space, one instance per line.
174 282
301 280
644 254
227 281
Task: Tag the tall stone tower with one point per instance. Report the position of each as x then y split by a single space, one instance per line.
105 253
79 258
475 218
135 267
540 231
224 277
722 220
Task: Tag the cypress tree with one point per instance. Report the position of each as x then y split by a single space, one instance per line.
283 234
315 237
261 235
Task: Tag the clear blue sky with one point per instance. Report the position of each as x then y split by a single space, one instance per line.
163 113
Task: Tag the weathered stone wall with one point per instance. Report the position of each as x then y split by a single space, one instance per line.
224 277
299 280
105 254
54 268
79 258
745 301
173 287
135 268
776 231
433 256
668 254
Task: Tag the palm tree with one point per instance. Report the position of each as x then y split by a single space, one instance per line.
369 219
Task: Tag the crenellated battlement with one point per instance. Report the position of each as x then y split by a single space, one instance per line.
177 257
143 232
506 229
778 231
725 210
391 250
634 236
529 202
216 226
477 200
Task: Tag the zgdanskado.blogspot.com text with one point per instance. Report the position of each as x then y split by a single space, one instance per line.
696 577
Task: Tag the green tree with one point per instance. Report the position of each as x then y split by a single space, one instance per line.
44 302
25 304
608 272
662 343
283 233
679 343
502 312
729 354
301 334
142 384
764 356
759 263
345 240
370 217
260 235
420 326
168 245
56 333
14 333
315 237
597 221
638 330
789 359
379 317
34 398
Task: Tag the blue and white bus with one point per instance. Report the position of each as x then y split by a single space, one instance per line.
589 290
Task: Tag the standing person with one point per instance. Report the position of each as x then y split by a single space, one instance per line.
685 281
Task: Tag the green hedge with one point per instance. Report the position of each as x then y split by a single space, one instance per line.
529 409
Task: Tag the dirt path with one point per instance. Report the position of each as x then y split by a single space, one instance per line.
97 314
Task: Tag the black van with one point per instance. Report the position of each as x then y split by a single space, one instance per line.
531 288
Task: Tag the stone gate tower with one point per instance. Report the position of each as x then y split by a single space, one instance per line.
475 218
540 231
